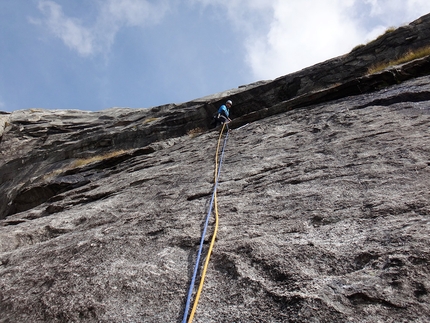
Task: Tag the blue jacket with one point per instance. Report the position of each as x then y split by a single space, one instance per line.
224 111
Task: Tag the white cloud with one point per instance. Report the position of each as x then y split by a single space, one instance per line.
398 12
285 36
113 15
70 30
279 36
301 33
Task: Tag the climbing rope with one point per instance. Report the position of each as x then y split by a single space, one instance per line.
211 206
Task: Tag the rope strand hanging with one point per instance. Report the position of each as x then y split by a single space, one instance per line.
213 204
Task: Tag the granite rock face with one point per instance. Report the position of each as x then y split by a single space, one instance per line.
323 199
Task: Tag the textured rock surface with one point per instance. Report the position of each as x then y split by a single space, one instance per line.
324 205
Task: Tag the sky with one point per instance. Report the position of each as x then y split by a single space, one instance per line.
97 54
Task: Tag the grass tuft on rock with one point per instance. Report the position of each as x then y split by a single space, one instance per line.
409 56
85 161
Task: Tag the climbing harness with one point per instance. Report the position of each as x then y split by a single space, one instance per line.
213 204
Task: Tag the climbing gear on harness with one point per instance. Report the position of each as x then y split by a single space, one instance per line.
213 204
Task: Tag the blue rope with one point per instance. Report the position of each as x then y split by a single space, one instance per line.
196 267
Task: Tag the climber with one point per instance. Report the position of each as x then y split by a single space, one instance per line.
223 114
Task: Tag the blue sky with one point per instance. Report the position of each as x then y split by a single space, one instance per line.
96 54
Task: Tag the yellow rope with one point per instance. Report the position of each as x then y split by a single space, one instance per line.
202 279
